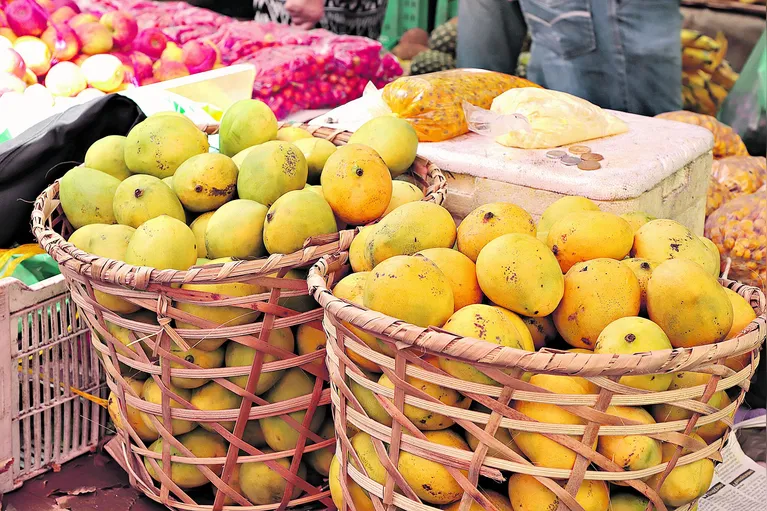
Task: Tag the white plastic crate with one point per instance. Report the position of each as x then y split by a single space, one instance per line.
44 352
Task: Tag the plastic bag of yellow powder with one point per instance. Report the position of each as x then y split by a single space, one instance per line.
555 119
431 103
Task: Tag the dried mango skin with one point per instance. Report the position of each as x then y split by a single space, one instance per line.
431 103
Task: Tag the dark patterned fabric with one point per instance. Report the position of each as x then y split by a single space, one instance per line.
351 17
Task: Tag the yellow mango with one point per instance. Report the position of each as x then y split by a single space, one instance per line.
203 359
460 271
426 420
202 444
133 415
663 412
271 170
370 403
543 451
597 292
162 243
198 226
310 337
743 314
527 494
500 502
685 483
410 288
246 123
481 322
587 235
239 355
402 192
352 288
358 255
86 196
205 182
152 394
236 230
715 255
563 207
642 269
430 480
295 217
688 304
262 485
410 228
316 151
637 219
357 184
520 274
663 239
213 396
632 452
629 335
628 502
490 221
542 330
394 139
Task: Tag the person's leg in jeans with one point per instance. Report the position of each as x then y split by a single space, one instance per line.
490 34
618 54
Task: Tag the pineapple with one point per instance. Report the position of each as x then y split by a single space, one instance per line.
444 37
431 61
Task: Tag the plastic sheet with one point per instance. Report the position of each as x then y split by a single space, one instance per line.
556 119
726 141
432 103
741 174
717 195
739 229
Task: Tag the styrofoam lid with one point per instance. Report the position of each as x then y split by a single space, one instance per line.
634 162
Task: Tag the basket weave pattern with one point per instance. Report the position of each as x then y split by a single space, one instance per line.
411 344
159 292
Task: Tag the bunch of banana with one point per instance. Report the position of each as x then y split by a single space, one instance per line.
706 76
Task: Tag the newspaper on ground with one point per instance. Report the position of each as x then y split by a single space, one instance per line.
740 483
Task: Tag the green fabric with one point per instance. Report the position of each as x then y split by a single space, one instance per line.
35 269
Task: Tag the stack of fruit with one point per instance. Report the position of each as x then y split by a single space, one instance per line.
706 77
77 54
584 280
158 198
427 53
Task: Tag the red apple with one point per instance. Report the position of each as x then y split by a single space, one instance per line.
25 17
62 14
62 41
148 81
169 69
94 37
3 19
11 62
65 79
142 65
80 59
199 56
81 19
47 5
151 42
35 53
122 25
58 4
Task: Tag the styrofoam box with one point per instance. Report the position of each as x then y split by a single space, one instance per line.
659 167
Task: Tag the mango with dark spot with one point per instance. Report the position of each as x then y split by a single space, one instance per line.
663 239
490 221
270 171
262 485
205 182
527 494
86 196
596 293
159 145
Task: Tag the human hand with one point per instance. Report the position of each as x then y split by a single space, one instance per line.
305 13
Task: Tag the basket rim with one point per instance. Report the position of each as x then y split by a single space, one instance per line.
547 360
120 273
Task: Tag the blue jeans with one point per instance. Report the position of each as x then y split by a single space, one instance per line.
619 54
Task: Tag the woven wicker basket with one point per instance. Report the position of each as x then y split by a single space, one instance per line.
412 345
285 304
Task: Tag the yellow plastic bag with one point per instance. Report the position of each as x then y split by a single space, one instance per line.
717 195
741 175
739 229
432 103
556 119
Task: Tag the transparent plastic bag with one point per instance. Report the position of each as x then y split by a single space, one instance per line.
717 195
555 119
432 103
741 174
739 229
726 141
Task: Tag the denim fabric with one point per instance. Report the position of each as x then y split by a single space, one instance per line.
490 35
619 54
